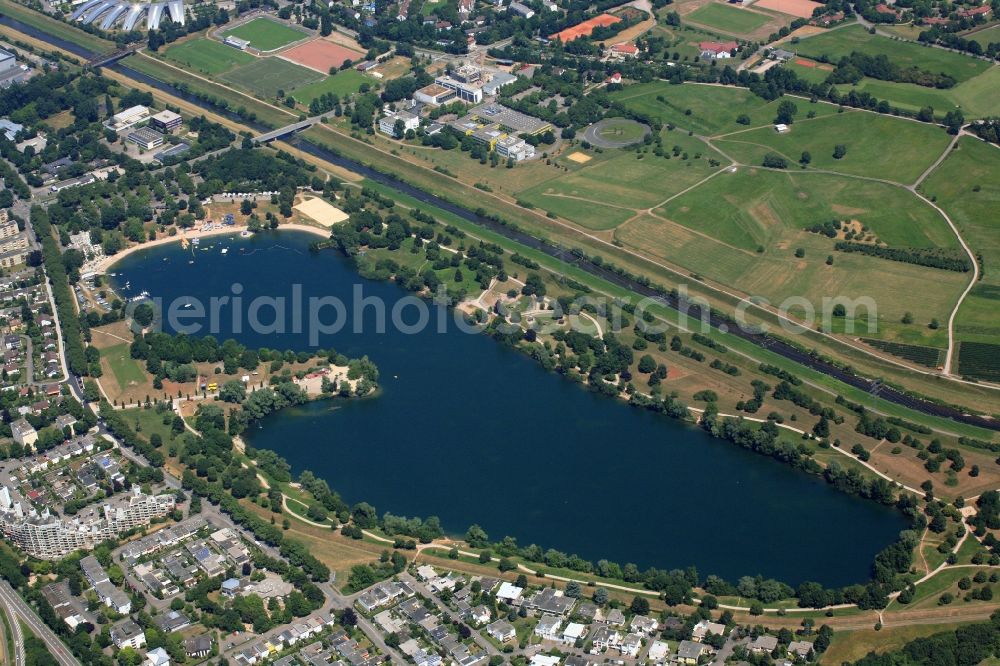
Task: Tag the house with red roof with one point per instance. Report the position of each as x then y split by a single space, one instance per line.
717 49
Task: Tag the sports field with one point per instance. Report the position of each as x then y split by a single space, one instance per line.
207 56
713 109
978 97
877 146
835 44
266 35
967 186
342 84
125 369
728 19
799 8
585 28
266 76
321 55
809 70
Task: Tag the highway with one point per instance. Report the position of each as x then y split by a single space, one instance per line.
17 607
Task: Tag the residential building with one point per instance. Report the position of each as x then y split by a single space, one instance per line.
23 432
198 646
128 633
46 536
642 624
616 618
509 593
157 657
521 10
764 644
631 645
703 628
688 652
573 632
658 652
623 50
800 649
606 637
502 630
550 600
8 127
717 50
548 627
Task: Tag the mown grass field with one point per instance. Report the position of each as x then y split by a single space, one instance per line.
848 646
266 35
266 76
837 43
985 37
977 97
877 146
175 75
707 110
125 369
715 231
207 56
727 18
967 186
342 84
606 191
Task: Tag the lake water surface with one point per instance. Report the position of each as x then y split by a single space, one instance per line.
474 433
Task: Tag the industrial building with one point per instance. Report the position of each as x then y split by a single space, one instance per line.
146 138
166 121
128 118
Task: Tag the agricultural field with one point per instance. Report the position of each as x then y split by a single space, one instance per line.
706 110
743 228
927 356
207 56
266 76
608 188
342 84
980 360
266 35
728 19
967 187
877 146
837 43
978 97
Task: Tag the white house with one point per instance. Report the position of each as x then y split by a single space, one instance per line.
509 593
573 632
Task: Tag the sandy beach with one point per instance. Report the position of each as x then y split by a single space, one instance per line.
105 263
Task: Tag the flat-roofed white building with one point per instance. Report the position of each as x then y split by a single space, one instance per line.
128 118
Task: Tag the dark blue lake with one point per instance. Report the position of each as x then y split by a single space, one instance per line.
474 433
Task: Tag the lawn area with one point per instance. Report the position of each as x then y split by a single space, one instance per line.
341 84
715 231
621 130
877 146
266 76
266 35
207 56
150 421
837 43
978 97
954 183
985 37
126 370
173 75
727 18
707 110
604 192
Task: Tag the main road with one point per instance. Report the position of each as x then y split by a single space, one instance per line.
20 609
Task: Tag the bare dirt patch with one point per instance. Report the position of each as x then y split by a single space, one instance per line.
799 8
579 158
321 55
